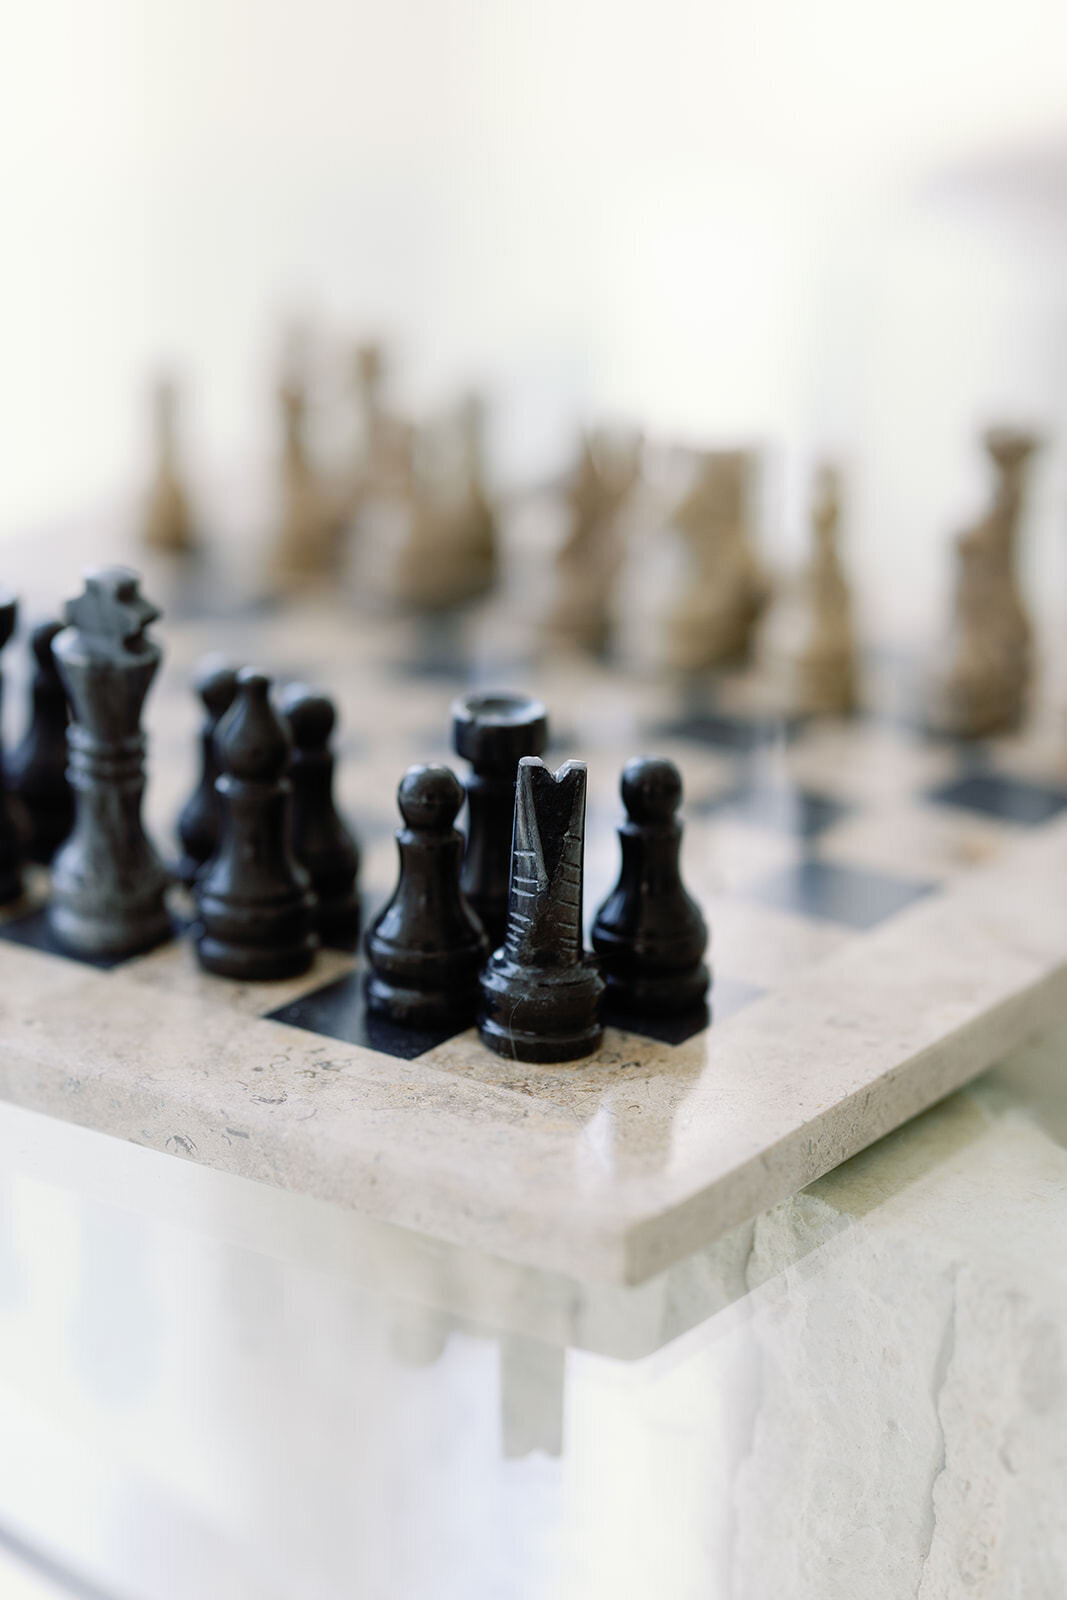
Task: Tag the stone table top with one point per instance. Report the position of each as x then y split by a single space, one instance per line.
211 1386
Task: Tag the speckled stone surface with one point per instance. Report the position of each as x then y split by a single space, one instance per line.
874 945
610 1168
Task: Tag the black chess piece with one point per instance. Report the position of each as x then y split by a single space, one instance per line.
37 767
108 883
427 947
492 732
541 990
255 905
322 843
10 843
649 933
200 820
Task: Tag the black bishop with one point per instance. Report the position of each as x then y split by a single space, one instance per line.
256 909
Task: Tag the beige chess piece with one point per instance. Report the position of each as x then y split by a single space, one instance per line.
305 536
167 523
976 688
380 443
477 535
444 525
823 667
370 378
413 552
1010 451
980 684
591 556
726 588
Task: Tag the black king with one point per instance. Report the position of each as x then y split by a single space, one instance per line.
108 883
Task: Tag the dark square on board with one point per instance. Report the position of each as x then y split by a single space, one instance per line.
727 996
801 813
724 730
339 1011
996 794
35 932
665 1030
854 896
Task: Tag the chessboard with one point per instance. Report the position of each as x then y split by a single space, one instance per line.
886 913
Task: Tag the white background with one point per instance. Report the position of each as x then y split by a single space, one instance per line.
828 226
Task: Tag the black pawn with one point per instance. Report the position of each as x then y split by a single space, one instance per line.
198 825
427 947
541 989
37 767
649 933
321 842
10 844
256 909
493 732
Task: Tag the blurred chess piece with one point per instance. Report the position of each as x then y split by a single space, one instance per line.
307 525
591 556
369 369
726 587
437 517
167 522
980 682
815 652
379 442
476 521
1009 452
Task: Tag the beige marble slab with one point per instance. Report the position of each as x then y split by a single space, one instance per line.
609 1169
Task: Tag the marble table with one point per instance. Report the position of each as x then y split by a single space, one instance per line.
213 1387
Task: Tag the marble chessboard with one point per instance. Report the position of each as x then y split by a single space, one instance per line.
887 916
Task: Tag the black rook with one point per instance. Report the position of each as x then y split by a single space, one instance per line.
492 731
255 902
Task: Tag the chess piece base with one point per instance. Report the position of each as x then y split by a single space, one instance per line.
249 964
411 1008
673 994
541 1014
100 936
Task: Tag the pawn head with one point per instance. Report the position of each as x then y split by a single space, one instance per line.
311 716
651 789
216 683
251 741
429 798
9 612
41 641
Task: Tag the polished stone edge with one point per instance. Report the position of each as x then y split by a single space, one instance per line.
798 1082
